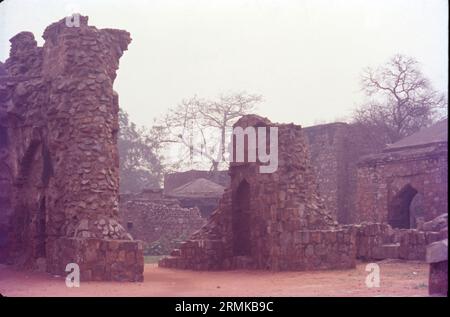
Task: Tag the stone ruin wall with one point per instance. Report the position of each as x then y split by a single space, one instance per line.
381 179
59 177
5 181
283 236
206 205
378 241
159 222
335 149
286 226
61 115
327 150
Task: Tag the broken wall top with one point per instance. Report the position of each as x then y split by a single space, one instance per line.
77 50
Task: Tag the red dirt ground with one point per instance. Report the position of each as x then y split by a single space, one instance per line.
398 278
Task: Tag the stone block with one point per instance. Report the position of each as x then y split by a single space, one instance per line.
438 279
437 251
316 237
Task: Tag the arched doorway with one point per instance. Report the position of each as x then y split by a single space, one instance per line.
399 213
241 220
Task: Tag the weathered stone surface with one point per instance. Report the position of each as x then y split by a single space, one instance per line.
273 221
438 280
437 224
405 185
377 241
413 243
370 239
160 222
58 125
335 149
437 251
386 251
101 259
200 193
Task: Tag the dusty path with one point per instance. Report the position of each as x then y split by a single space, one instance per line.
397 279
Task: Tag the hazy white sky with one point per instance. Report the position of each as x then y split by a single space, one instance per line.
304 57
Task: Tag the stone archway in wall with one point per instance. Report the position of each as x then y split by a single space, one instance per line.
241 220
399 208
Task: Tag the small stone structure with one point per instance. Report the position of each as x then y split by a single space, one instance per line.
437 256
270 221
59 168
408 182
200 193
160 222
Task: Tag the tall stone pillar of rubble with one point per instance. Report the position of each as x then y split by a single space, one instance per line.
5 174
273 221
63 124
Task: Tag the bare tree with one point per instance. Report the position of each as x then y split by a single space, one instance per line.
200 126
400 100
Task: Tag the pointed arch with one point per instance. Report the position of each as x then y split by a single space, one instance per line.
399 211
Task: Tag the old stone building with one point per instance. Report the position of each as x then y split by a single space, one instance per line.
59 167
408 182
271 221
200 193
160 222
329 150
177 179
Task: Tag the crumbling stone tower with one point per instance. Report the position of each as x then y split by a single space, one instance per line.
60 116
269 220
